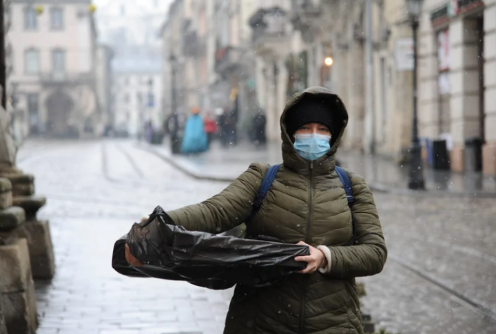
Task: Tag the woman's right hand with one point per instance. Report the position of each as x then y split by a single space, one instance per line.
131 259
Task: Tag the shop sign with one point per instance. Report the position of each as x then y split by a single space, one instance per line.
404 54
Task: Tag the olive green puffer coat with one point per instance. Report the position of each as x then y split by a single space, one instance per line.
306 202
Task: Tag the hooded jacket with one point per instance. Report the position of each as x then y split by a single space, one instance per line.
306 202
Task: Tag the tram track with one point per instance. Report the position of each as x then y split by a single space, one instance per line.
463 299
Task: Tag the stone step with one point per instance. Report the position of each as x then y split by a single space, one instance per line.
30 204
19 178
23 189
37 234
22 184
5 193
5 185
11 218
17 288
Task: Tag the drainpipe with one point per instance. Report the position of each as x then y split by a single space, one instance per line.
370 78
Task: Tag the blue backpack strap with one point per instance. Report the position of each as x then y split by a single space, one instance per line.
263 190
345 180
265 186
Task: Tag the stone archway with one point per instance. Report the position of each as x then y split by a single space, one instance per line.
59 106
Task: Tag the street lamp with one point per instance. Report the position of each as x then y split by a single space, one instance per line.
174 132
329 61
416 175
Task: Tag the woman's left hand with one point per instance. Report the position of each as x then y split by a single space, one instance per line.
314 261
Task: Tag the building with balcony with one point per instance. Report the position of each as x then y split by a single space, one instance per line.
53 72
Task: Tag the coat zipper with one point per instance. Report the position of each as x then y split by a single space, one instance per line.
307 240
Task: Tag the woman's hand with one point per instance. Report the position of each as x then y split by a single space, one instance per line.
131 259
315 260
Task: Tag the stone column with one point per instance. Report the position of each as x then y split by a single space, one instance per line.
356 94
36 232
464 78
489 149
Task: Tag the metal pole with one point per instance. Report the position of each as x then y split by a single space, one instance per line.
174 134
3 67
370 77
416 177
3 326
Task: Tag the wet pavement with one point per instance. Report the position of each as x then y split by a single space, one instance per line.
440 276
380 173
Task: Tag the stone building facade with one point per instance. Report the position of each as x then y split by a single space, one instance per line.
53 74
458 79
291 40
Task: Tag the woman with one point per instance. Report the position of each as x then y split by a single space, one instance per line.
306 204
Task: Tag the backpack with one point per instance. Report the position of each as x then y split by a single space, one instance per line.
271 175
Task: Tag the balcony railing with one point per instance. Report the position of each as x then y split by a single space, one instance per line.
268 23
226 58
66 78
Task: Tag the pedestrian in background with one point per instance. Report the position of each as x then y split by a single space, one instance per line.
306 204
194 138
149 131
258 128
228 126
210 127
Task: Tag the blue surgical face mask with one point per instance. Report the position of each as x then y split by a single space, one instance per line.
312 146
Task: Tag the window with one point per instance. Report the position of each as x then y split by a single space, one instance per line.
30 19
58 61
151 100
32 61
57 18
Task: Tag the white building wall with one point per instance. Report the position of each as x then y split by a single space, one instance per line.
75 38
132 111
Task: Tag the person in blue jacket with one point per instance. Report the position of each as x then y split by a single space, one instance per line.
195 138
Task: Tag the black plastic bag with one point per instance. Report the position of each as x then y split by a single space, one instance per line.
213 261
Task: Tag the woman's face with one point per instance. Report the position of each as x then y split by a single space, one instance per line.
313 128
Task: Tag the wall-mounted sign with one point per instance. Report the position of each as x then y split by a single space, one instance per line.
443 50
442 15
403 54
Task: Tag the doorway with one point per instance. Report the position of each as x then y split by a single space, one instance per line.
59 106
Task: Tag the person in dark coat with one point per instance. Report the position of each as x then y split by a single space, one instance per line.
307 205
258 127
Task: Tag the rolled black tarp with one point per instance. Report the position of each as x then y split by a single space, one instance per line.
209 260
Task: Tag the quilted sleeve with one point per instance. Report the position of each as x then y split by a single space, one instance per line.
368 255
226 210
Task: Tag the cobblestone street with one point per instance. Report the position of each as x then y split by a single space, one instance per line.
440 276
